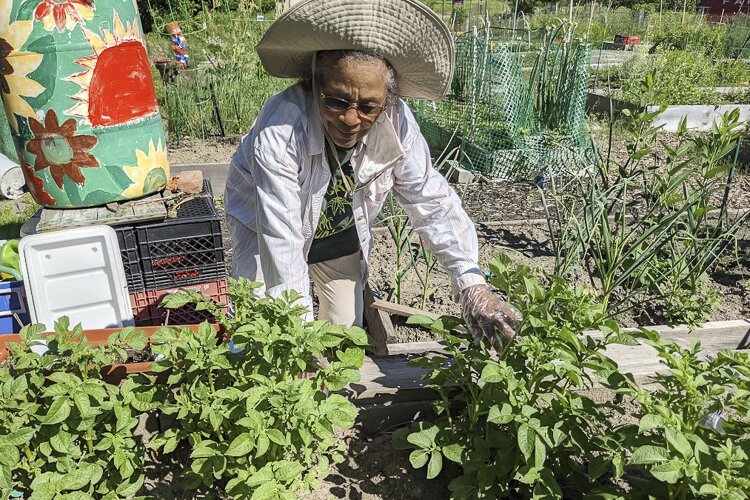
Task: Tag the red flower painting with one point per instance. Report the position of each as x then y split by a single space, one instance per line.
58 148
64 14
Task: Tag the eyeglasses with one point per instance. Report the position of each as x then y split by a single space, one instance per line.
367 111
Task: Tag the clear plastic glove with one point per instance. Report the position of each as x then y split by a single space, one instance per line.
487 316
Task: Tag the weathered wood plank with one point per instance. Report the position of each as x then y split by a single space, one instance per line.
379 324
402 310
145 209
714 335
389 379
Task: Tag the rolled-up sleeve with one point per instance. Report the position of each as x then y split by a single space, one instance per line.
436 214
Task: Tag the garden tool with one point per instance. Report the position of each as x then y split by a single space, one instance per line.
9 261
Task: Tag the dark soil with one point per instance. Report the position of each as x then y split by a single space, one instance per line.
138 356
374 470
409 333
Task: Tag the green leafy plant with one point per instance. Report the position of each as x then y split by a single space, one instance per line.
519 423
516 423
397 222
691 440
64 431
422 253
559 71
256 424
647 233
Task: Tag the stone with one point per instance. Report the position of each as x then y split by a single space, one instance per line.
459 174
190 181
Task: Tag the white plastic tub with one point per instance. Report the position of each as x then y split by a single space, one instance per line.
76 273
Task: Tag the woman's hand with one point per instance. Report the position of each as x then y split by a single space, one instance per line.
488 316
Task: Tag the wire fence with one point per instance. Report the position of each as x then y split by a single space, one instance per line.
514 123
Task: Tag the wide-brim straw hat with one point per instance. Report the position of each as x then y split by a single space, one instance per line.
406 33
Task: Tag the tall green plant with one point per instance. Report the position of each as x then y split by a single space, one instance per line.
648 232
559 73
397 223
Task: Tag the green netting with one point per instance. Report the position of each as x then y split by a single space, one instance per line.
513 122
6 141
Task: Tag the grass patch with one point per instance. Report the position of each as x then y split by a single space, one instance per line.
14 214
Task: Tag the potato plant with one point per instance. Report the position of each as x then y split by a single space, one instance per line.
522 427
676 446
258 415
63 429
520 423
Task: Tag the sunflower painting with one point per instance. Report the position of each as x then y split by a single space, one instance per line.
64 14
150 172
116 86
100 140
16 65
58 148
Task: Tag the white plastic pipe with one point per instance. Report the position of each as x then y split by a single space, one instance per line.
11 178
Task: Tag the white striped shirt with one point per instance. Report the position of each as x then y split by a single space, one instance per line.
279 175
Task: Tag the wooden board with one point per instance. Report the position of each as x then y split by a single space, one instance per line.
378 323
145 209
402 310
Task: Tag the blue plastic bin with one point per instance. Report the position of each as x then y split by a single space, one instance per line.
12 304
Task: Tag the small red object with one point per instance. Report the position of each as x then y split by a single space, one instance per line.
628 39
147 312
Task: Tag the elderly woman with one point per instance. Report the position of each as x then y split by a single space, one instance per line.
309 179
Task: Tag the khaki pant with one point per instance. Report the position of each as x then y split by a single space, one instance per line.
338 285
338 282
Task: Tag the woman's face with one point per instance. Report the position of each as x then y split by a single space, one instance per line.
363 83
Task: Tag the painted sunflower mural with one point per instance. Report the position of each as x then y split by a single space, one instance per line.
150 172
16 65
101 140
64 14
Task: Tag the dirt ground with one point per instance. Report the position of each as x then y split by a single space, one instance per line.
218 150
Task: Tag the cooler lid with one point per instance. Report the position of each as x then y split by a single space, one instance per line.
76 273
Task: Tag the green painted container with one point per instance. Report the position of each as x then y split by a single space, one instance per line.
77 89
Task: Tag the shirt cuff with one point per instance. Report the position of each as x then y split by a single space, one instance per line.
466 279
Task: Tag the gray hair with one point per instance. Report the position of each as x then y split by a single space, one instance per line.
330 57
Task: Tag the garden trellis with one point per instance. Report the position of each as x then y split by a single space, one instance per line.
514 122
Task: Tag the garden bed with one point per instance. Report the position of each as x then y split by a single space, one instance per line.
510 216
392 394
529 244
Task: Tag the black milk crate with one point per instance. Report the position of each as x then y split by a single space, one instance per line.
185 250
130 259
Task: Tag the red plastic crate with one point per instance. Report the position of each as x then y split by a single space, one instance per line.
147 312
